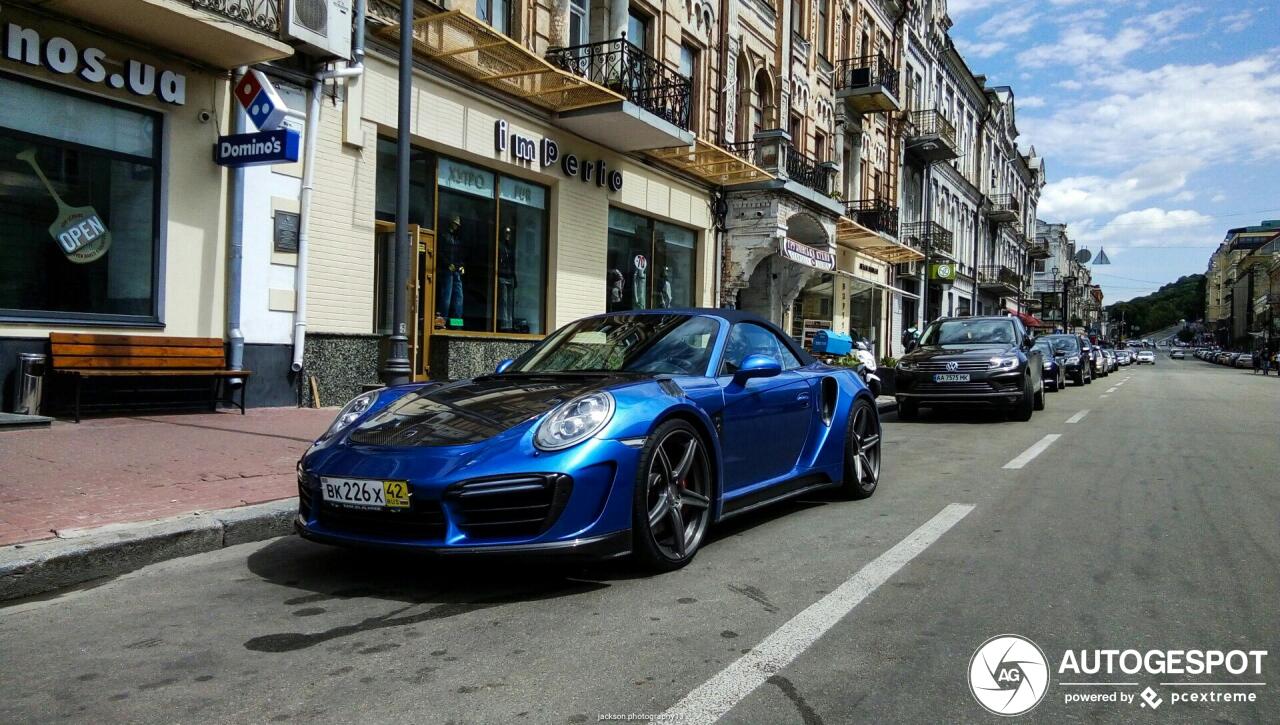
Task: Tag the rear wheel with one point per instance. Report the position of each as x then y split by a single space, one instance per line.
1039 397
672 504
862 451
908 409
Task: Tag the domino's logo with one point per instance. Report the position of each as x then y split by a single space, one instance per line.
260 101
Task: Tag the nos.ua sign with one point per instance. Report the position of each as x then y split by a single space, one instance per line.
807 255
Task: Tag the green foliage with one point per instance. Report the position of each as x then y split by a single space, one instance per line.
1186 334
889 361
1180 300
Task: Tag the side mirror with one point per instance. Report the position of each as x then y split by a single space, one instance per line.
756 366
502 366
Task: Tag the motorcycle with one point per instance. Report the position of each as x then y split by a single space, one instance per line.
867 367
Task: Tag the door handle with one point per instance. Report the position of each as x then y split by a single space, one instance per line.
803 399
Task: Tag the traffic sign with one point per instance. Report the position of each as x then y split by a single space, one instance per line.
259 99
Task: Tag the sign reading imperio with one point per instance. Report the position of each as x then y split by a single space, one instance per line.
24 45
547 152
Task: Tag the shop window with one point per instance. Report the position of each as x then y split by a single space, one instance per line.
650 264
522 265
422 188
79 207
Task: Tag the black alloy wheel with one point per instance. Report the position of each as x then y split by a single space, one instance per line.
673 497
862 451
1022 410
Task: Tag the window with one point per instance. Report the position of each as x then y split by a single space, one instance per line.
79 207
496 13
797 17
747 339
689 69
761 102
638 30
820 146
579 22
795 127
422 185
650 264
823 30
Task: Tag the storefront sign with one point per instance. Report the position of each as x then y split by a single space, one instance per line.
254 149
259 99
942 272
470 180
24 45
807 255
546 152
78 230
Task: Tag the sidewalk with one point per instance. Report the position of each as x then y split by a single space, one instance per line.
140 468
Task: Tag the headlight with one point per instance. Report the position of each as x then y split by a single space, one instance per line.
350 412
574 422
1048 363
906 365
1073 360
1004 363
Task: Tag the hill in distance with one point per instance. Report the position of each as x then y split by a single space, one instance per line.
1180 300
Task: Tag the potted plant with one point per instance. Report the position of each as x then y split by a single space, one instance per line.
888 372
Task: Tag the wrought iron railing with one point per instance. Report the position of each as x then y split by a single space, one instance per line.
932 237
877 215
261 15
1004 203
932 123
808 171
745 150
998 274
623 67
867 71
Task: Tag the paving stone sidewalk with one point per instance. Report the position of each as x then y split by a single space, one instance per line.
56 480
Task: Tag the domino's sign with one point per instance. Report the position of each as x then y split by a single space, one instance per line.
259 99
253 149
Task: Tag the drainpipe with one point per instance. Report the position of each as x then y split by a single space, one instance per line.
235 246
355 69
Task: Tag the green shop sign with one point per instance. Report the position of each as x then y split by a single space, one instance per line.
943 272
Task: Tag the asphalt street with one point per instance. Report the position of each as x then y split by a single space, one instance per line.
1150 521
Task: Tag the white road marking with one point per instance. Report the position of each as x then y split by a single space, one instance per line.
1113 388
1104 395
1078 416
1036 449
718 695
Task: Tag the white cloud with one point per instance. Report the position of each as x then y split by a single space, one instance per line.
1069 85
1079 47
1237 22
981 50
1079 199
1156 227
956 8
1016 20
1219 198
1185 195
1031 102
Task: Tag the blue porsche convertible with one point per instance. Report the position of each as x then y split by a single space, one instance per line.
623 433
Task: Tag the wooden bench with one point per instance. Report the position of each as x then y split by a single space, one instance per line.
142 356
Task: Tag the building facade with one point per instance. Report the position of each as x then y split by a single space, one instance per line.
1240 289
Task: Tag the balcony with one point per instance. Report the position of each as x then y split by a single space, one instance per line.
471 47
1000 279
1038 249
868 84
930 137
808 171
870 227
931 237
194 29
653 108
1002 208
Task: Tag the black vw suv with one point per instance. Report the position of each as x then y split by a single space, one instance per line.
972 360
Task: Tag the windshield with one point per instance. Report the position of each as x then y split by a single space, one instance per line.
1061 344
970 332
654 344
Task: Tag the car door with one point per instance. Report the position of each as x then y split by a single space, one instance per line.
766 421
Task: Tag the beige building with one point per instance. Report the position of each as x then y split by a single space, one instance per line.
113 210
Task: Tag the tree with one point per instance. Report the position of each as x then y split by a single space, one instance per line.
1186 334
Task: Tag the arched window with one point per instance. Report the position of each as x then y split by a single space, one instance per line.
762 103
744 99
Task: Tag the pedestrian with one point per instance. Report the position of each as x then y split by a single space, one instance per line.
1257 360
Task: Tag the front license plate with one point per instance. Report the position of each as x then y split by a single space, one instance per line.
951 378
365 493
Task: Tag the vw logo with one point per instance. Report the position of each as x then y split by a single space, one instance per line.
953 366
1008 675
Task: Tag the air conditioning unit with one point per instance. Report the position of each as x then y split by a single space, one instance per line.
319 27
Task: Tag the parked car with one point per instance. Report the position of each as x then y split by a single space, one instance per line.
1100 367
1123 357
1245 360
1177 354
624 433
1071 352
972 360
1146 356
1231 358
1110 355
1055 375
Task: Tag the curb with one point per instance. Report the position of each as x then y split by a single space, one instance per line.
87 554
886 406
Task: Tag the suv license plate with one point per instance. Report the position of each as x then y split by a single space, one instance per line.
951 378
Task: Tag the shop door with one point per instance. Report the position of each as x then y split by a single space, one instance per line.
422 267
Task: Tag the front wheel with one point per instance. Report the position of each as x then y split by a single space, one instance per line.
908 409
1022 410
862 451
672 502
1039 398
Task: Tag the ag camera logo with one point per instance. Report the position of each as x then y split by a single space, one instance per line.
1008 675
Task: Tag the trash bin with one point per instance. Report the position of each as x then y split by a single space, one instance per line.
28 383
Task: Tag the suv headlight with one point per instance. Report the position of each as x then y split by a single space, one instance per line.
574 422
1004 363
907 365
351 412
1073 360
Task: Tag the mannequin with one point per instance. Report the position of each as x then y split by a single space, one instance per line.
506 281
640 283
664 289
451 271
616 286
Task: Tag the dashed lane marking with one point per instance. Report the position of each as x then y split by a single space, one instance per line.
1036 449
1078 416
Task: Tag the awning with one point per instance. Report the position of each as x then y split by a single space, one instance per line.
1028 320
881 285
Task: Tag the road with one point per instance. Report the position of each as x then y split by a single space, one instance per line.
1150 522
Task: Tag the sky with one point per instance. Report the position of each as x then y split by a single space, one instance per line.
1159 121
